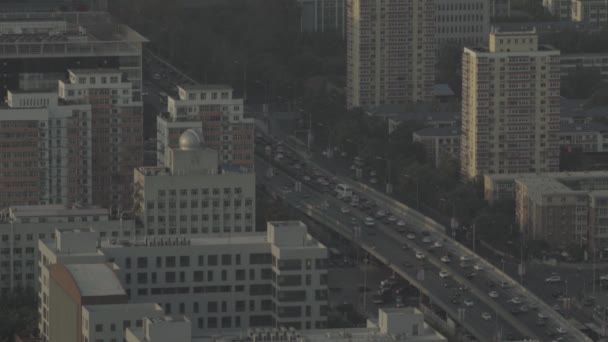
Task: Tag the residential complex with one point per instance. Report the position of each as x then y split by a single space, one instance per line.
191 195
408 323
213 109
510 106
460 23
441 144
46 150
562 208
390 49
22 226
322 16
117 131
272 279
590 11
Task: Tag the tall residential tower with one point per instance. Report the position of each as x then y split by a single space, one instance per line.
390 52
510 106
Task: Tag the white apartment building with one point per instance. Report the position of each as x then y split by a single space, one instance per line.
276 279
213 109
510 106
108 322
460 23
45 150
190 196
393 324
22 226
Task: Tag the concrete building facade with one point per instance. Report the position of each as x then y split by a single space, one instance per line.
390 52
559 8
191 195
510 106
22 226
593 12
117 131
460 23
596 62
220 116
322 16
440 143
277 279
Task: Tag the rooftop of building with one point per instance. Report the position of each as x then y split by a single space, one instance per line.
55 210
205 87
93 71
438 132
556 175
442 89
253 238
486 49
123 307
591 127
98 27
543 184
95 280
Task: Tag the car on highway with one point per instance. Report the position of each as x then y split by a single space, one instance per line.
478 267
561 330
553 279
465 258
369 221
468 302
444 274
344 210
381 213
493 294
404 247
524 308
392 218
401 223
465 264
515 300
437 244
486 316
426 239
471 275
419 255
411 236
445 259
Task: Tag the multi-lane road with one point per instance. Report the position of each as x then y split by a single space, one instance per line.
516 308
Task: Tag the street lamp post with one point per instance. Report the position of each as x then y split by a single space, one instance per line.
389 186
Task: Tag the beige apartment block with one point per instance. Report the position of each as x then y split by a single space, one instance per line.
590 11
390 52
510 106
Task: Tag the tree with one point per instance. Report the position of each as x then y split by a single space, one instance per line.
18 314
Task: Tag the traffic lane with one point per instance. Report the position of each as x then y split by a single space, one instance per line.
339 217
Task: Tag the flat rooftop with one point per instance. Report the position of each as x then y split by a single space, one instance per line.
95 71
123 307
438 132
486 49
54 210
205 86
95 280
254 238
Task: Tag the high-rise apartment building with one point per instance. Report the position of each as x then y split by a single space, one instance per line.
272 279
510 106
390 52
45 149
460 23
322 16
117 131
192 195
213 109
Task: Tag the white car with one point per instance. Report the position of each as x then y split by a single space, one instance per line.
553 279
493 294
426 239
446 259
392 218
410 236
465 258
369 221
345 210
560 330
478 267
444 274
401 223
486 316
437 244
515 300
381 213
419 255
468 302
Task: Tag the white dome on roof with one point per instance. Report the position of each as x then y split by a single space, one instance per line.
190 139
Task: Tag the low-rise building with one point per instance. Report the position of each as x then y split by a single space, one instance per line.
272 279
596 62
22 226
191 195
583 137
393 324
440 143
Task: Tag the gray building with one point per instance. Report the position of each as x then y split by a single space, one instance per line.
462 22
322 16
